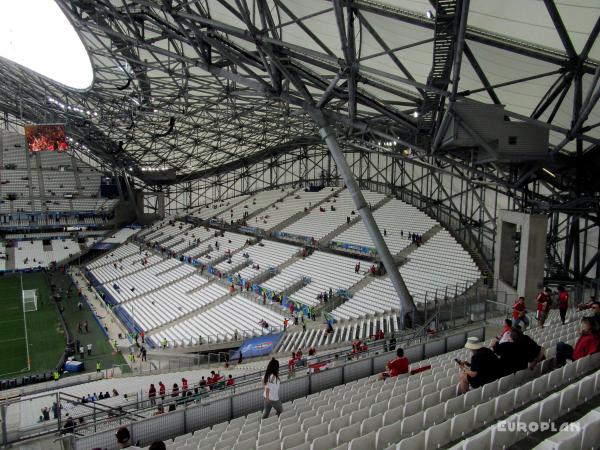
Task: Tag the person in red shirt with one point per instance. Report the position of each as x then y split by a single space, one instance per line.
396 366
230 381
184 385
152 394
161 390
519 314
563 303
543 306
587 344
292 363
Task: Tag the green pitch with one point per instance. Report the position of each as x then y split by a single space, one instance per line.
39 330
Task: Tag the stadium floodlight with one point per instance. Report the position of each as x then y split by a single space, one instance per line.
37 35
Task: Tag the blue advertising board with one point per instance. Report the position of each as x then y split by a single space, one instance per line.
258 346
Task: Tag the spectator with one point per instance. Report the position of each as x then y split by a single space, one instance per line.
506 329
587 344
595 318
184 384
563 303
69 425
230 381
114 393
396 366
157 445
483 368
511 360
271 384
123 438
519 314
152 394
527 348
588 304
292 363
543 306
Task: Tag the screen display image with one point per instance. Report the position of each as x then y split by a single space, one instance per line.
46 137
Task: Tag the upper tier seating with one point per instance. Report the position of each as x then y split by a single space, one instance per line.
166 232
214 209
125 266
229 243
220 323
172 302
191 238
41 181
269 254
324 270
323 220
121 235
282 211
398 219
148 279
441 265
115 255
252 204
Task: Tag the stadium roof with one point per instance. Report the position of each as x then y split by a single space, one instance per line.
196 85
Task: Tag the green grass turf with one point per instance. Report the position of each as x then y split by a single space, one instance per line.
101 349
44 332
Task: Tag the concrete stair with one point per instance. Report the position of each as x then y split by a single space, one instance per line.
76 175
40 175
402 257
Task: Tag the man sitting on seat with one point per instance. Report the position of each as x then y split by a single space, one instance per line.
587 344
527 348
396 366
483 368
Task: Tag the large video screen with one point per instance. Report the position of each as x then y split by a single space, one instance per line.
46 137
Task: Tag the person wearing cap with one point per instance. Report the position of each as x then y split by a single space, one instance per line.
483 368
123 438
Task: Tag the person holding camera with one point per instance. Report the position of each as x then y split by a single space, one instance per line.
483 368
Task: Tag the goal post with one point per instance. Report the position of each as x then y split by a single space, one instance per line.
29 300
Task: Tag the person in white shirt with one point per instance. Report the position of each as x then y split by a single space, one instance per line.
271 385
